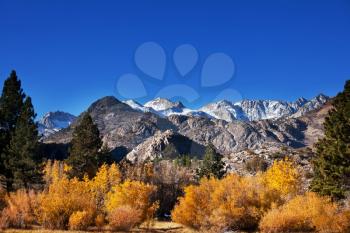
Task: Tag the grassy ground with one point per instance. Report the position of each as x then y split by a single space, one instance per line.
158 227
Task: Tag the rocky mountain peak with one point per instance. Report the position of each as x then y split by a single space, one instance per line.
321 98
53 122
103 103
160 104
301 101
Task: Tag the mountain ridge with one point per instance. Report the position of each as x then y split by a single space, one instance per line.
246 110
122 126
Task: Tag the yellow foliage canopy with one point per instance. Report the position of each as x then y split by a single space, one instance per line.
135 194
284 177
306 213
65 196
236 202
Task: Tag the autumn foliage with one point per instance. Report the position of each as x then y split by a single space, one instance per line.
271 201
284 177
306 213
63 198
20 210
124 217
236 202
231 203
134 194
80 220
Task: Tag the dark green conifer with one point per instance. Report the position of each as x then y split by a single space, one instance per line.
84 155
11 102
332 162
22 152
212 164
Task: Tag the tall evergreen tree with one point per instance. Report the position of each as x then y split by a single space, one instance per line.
212 164
22 152
11 102
332 163
84 155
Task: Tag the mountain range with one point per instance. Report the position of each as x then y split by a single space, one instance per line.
245 110
146 131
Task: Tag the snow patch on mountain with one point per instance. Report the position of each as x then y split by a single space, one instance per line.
246 110
224 110
165 107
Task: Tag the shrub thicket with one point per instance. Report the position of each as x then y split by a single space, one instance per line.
67 201
235 202
80 220
123 218
305 213
20 209
136 195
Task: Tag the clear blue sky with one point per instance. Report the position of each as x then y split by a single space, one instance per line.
69 53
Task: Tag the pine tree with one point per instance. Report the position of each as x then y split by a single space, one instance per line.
84 155
22 152
11 102
212 164
332 162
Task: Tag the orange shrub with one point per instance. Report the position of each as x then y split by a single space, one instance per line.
123 218
135 194
63 198
4 222
20 209
304 213
231 203
194 209
80 220
240 202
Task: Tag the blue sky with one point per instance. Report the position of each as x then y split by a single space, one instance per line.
70 53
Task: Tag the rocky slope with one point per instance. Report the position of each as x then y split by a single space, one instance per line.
234 139
119 124
164 145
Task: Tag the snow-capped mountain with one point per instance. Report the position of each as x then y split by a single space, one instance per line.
139 107
308 106
246 110
160 104
267 109
52 122
165 107
224 110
